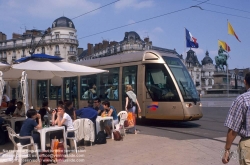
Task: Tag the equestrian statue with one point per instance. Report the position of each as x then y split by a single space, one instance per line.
221 59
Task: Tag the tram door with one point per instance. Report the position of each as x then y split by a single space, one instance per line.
161 100
70 85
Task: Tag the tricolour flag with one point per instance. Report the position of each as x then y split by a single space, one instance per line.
231 31
190 40
224 45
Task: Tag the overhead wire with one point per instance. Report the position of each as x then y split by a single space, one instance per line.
95 9
224 6
135 22
226 13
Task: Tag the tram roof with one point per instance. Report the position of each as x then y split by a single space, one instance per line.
127 57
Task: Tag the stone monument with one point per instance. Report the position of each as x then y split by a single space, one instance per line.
221 85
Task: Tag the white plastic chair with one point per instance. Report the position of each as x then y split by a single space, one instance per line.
123 116
76 125
19 147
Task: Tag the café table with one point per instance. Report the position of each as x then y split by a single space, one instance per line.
43 132
99 119
13 120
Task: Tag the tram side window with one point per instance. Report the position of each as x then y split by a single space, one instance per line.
129 77
159 84
70 85
41 92
109 84
88 87
54 92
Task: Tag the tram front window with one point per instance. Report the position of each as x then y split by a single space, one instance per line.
159 83
183 79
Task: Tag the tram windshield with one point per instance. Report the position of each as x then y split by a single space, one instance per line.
159 84
183 79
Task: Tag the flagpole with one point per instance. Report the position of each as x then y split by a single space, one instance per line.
185 43
227 68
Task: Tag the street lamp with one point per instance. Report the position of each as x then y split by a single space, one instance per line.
236 72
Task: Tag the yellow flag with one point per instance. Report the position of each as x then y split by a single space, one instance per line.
224 45
231 31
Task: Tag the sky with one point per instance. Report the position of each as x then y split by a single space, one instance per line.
167 31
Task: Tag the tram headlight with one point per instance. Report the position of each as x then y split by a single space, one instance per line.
188 105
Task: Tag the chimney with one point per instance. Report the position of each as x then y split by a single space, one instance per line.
79 51
3 36
100 46
105 44
146 39
16 36
113 43
96 48
90 48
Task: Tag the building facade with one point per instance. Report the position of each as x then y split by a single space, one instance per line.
194 67
207 72
61 40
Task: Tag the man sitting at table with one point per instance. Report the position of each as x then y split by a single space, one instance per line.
11 107
87 112
98 106
28 126
20 111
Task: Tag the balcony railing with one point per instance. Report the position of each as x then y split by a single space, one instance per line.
72 53
57 53
44 42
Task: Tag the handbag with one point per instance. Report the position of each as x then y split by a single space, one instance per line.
130 119
126 123
117 136
130 103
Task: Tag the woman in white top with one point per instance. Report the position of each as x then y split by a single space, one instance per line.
63 119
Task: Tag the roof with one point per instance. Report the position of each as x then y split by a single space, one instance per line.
126 57
206 59
63 22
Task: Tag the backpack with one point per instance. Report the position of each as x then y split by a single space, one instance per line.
4 138
130 103
117 136
100 138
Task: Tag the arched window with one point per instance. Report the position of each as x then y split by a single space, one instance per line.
43 50
57 48
71 48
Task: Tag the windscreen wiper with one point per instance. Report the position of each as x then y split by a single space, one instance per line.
186 91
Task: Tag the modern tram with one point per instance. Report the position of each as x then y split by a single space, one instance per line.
162 83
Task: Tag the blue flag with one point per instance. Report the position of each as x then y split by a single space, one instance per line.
190 40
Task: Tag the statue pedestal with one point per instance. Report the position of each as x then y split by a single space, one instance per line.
220 80
219 89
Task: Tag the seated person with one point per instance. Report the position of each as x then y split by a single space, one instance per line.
88 112
19 111
70 110
44 110
108 111
28 126
11 108
109 93
63 119
6 99
98 106
4 104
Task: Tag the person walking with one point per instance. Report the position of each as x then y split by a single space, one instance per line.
131 95
237 121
